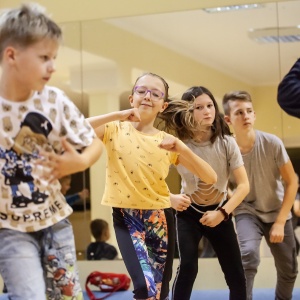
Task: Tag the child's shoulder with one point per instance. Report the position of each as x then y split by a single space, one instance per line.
268 137
54 95
49 90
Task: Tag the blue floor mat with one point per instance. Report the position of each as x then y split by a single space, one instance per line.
258 294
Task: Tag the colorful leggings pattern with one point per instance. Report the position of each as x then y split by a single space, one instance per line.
149 236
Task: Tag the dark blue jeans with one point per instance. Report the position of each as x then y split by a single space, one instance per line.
224 241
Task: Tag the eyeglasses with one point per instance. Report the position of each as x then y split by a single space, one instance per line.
155 94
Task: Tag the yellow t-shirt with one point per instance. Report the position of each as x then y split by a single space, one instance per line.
136 168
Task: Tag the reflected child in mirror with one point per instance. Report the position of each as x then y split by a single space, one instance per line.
100 249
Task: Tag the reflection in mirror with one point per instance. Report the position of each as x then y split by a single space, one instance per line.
68 60
217 50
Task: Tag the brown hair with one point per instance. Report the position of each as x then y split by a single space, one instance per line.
98 226
179 115
234 96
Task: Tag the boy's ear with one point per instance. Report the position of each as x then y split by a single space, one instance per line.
9 54
227 119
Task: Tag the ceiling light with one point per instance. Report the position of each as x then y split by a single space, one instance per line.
232 8
275 34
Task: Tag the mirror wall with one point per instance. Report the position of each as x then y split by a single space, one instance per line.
223 51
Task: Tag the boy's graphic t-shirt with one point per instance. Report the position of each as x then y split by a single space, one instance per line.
28 201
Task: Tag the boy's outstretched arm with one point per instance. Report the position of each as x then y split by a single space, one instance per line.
71 161
189 159
98 122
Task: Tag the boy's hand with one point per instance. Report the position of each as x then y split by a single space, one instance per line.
131 115
56 166
85 193
277 233
180 202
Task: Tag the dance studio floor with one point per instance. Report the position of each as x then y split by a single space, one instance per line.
258 294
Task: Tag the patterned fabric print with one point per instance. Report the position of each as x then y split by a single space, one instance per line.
136 168
149 233
28 202
62 280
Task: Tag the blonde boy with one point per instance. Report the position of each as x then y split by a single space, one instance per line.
41 133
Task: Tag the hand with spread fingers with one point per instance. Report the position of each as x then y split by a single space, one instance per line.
56 166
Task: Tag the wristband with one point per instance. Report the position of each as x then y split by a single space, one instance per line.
224 213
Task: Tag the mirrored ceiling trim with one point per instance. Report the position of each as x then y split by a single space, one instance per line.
275 34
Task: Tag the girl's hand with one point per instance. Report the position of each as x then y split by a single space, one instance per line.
180 202
212 218
131 115
170 143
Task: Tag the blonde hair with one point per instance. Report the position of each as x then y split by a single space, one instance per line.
26 25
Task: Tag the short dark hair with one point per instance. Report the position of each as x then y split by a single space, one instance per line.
98 226
234 96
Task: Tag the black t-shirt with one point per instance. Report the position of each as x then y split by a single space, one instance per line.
101 250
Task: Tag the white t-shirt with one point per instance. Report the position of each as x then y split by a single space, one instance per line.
28 202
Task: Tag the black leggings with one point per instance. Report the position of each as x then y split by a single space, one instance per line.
223 238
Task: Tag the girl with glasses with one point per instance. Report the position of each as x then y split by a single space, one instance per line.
139 157
196 120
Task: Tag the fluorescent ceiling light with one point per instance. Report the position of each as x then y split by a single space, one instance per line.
275 35
232 8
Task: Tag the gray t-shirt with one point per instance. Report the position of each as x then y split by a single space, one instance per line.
262 164
223 156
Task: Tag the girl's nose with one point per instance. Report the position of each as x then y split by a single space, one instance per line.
148 94
206 109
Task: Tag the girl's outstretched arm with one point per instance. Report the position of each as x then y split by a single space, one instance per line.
180 202
189 159
98 122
